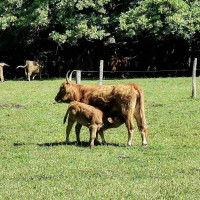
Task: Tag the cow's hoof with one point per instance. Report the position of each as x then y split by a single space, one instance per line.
96 142
66 142
78 143
129 144
144 145
105 143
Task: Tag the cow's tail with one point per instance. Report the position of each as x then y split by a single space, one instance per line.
142 112
21 66
66 115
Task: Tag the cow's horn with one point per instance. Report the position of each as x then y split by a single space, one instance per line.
67 78
70 76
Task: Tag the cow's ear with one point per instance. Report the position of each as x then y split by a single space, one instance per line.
110 120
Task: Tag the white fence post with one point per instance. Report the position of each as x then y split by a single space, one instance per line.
194 84
78 76
101 72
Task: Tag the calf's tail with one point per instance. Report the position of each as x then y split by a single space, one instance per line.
66 115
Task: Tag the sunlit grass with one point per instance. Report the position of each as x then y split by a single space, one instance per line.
34 163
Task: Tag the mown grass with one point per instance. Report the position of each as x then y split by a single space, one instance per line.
35 164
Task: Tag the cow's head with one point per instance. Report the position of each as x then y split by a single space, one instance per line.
68 91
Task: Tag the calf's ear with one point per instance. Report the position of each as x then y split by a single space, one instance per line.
110 120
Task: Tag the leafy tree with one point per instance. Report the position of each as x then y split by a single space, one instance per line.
67 22
161 18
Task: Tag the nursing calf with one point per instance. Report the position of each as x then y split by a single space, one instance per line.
89 116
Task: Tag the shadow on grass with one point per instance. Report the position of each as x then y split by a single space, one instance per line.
82 144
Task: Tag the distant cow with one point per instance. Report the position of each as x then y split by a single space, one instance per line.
32 68
119 101
119 64
2 65
88 116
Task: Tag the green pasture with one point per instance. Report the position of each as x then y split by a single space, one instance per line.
35 164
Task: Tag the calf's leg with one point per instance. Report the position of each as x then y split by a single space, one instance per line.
78 129
69 128
93 131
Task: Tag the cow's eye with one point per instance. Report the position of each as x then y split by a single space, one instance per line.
62 88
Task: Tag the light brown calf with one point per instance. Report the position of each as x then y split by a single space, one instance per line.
2 65
32 68
88 116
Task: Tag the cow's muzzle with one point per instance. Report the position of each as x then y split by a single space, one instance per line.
57 100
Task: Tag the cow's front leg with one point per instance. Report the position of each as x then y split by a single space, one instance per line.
34 76
130 127
96 141
78 129
102 137
40 75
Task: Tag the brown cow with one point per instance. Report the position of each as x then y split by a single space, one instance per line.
121 101
88 116
32 67
119 64
1 71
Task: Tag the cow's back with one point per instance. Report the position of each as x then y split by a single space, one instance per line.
110 98
33 66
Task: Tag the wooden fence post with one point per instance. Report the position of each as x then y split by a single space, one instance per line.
78 76
194 84
101 72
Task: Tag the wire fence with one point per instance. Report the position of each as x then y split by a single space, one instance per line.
132 74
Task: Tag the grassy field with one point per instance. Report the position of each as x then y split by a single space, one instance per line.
35 164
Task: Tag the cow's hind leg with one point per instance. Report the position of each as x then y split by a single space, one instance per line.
78 129
130 127
142 126
2 78
29 76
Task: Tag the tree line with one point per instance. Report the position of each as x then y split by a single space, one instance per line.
155 34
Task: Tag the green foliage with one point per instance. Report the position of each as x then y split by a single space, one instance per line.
67 21
162 18
34 164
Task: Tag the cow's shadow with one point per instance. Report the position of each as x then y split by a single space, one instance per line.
83 144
